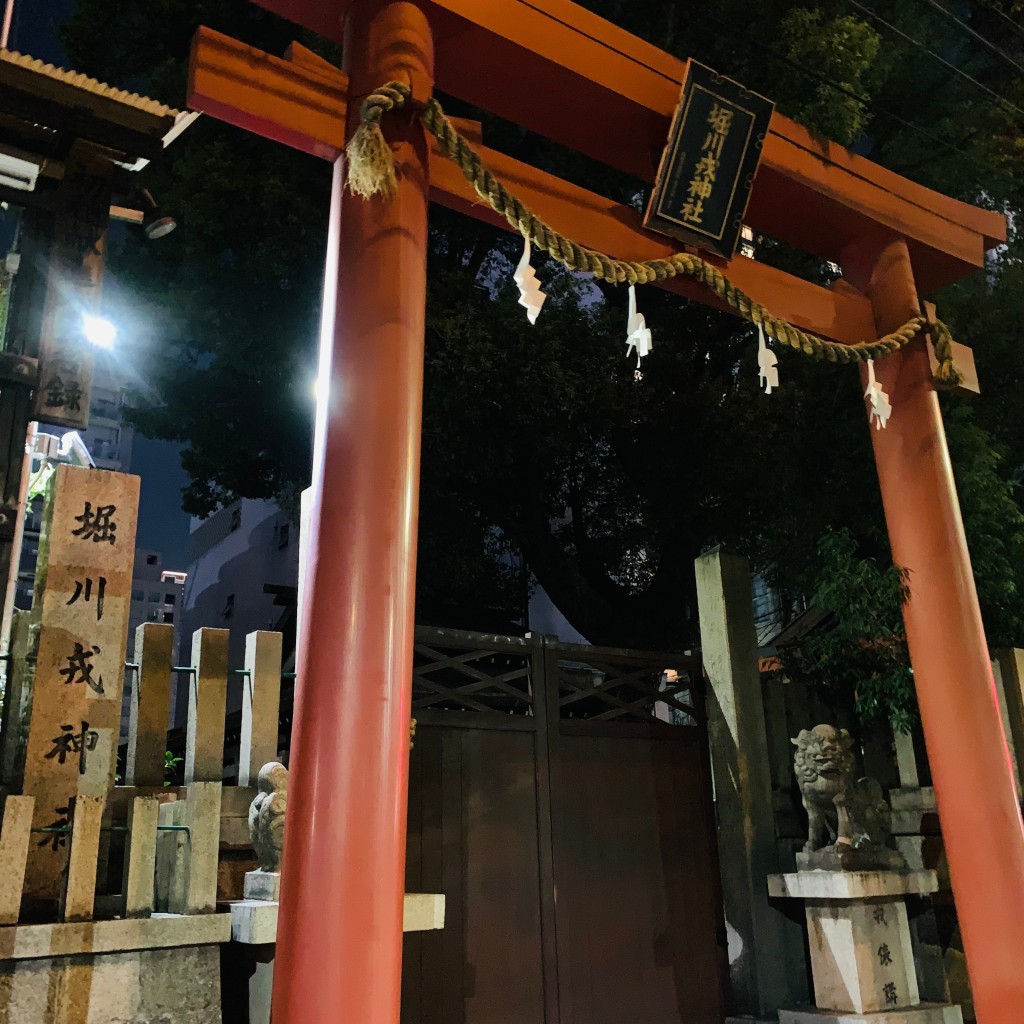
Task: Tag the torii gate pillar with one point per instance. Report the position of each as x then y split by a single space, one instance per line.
339 941
967 751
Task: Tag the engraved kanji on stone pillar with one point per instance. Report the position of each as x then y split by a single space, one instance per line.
79 630
73 288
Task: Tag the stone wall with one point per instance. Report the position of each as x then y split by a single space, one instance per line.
154 986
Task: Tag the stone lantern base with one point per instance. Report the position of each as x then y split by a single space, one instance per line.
861 957
926 1013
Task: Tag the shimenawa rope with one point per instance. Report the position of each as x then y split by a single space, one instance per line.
371 171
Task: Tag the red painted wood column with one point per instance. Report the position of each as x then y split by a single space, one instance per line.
339 940
967 750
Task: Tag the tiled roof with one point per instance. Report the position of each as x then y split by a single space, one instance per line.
91 85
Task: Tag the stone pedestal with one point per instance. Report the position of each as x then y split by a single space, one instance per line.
250 972
163 968
861 956
931 1013
262 885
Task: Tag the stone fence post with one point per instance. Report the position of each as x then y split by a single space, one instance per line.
766 950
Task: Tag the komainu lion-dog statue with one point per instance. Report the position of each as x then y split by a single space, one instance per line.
849 819
266 816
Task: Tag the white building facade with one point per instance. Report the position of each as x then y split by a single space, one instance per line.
156 597
240 561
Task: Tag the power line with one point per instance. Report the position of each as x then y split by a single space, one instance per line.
1009 21
942 60
828 83
974 34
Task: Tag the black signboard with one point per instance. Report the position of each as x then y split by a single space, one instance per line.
708 166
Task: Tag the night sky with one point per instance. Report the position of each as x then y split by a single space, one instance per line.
32 28
162 525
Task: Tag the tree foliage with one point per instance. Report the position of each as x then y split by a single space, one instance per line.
837 103
539 443
864 650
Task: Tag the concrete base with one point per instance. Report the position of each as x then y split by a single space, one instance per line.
254 929
923 1014
38 941
862 959
254 922
262 885
150 986
842 857
852 885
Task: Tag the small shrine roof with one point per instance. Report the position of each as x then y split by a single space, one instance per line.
84 83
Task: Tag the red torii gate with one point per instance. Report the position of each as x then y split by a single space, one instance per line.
339 937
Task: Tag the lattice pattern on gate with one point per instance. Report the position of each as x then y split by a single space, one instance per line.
450 678
625 691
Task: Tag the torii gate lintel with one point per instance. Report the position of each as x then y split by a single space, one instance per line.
572 76
289 103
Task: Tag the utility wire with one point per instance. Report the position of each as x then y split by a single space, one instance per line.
942 60
1018 29
828 83
974 34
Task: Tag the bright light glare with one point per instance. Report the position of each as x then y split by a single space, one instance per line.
98 331
319 388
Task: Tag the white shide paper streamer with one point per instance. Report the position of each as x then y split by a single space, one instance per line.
638 334
530 294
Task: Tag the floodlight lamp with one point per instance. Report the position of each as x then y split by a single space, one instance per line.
155 223
73 449
98 331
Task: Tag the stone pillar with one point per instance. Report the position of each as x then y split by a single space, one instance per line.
261 700
1009 679
151 694
17 692
207 706
14 839
766 958
79 892
861 954
140 857
74 284
82 600
906 760
202 815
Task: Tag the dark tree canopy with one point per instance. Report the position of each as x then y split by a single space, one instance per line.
539 444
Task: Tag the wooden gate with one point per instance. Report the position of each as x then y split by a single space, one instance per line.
560 798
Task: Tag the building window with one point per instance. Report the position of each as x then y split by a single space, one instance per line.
169 599
153 616
138 595
168 616
152 559
236 519
105 408
229 606
284 531
154 598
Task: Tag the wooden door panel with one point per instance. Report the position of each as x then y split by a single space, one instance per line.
475 837
560 798
636 909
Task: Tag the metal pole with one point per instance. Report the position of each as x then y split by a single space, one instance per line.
967 750
19 535
339 941
6 32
